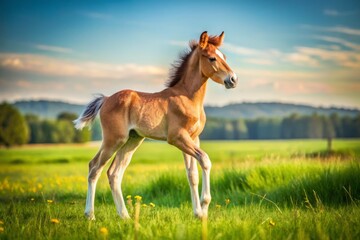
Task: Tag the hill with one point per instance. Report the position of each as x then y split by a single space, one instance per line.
272 110
50 109
47 109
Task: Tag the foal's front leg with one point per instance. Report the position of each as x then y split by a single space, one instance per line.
193 178
185 143
116 172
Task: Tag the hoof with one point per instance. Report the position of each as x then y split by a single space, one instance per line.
124 216
90 216
198 214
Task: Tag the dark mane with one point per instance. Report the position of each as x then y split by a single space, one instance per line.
178 67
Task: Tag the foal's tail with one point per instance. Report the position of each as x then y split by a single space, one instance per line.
90 112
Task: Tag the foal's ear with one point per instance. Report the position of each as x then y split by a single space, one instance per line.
203 40
221 38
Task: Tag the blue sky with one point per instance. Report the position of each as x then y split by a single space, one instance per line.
287 51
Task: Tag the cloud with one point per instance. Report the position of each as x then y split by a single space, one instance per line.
239 50
55 49
341 58
340 41
259 61
336 29
302 59
336 13
49 66
331 12
96 15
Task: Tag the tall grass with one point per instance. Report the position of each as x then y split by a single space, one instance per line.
260 194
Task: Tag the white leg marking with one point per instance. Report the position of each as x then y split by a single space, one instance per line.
116 173
95 170
193 178
205 164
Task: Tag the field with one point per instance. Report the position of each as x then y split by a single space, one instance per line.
260 190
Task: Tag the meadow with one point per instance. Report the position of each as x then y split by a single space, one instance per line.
261 190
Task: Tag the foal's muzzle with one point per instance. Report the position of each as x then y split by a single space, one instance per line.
231 81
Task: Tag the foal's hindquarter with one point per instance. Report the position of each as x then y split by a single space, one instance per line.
127 117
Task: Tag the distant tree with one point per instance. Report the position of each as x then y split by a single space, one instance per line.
66 119
96 132
240 129
336 122
356 126
13 127
227 130
251 125
329 132
315 126
213 129
268 128
50 131
34 123
290 126
65 131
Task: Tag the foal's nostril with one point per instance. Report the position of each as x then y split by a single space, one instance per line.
233 80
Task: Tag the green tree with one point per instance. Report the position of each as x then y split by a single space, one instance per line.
96 132
329 132
65 121
13 127
240 129
35 127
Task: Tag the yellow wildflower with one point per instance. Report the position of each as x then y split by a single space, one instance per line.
271 222
104 231
218 206
32 199
54 220
152 204
1 229
128 196
227 201
144 205
138 198
49 201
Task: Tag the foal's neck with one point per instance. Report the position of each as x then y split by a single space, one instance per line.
193 82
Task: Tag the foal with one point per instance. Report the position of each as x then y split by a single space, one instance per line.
175 115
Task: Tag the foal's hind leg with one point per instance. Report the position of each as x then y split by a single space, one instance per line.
96 166
116 172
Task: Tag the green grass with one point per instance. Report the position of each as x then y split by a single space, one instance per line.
277 190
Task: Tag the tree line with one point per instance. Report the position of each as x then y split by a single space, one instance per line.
291 127
16 129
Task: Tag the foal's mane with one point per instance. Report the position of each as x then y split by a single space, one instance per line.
179 66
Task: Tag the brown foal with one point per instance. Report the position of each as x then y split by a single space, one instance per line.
175 115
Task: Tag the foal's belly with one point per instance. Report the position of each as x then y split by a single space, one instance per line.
152 126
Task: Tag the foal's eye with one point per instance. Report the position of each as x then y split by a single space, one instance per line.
212 59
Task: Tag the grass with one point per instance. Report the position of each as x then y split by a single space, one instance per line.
260 189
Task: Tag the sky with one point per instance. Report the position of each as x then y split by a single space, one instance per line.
304 52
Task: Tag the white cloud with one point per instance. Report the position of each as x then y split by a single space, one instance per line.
337 13
96 15
340 41
337 29
331 12
56 49
45 65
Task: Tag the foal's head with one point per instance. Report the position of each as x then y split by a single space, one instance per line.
213 62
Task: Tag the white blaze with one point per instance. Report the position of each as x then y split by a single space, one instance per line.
220 54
